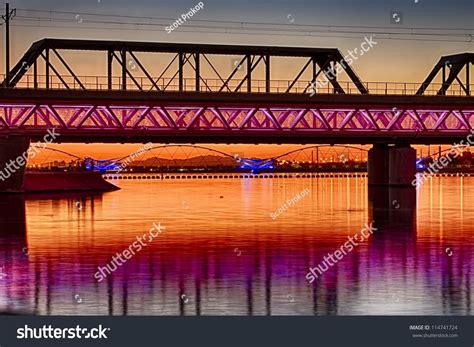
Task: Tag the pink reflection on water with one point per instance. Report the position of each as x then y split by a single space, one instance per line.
192 268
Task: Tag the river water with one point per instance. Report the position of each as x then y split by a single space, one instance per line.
232 247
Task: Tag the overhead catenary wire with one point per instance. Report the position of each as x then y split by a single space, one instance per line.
389 36
461 35
238 22
190 25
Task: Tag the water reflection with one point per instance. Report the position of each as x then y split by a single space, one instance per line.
418 261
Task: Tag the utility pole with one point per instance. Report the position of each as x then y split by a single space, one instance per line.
9 14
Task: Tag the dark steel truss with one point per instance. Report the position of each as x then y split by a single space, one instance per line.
189 62
450 68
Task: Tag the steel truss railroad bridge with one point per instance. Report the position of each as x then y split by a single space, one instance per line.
200 93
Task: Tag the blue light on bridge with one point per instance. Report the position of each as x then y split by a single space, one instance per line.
256 165
421 164
100 165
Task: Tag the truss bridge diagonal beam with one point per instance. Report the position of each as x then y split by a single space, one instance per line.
450 70
188 68
97 123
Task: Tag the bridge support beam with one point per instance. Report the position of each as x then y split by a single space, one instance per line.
402 165
12 163
392 206
391 166
377 165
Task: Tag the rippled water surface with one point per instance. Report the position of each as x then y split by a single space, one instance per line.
222 253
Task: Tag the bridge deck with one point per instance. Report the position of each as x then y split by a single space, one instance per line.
132 98
177 117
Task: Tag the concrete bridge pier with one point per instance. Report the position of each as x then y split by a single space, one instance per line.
391 206
402 165
392 198
377 165
391 165
13 219
13 158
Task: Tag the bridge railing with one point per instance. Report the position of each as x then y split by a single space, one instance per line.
216 85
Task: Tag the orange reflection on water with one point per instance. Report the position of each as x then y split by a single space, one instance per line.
223 253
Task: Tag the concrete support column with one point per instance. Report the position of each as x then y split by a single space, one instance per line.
377 165
13 152
402 206
392 205
402 165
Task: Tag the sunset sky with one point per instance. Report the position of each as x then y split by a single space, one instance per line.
444 27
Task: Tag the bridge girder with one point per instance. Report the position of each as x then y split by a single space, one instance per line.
185 58
450 68
166 123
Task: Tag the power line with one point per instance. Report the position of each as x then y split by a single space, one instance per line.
241 22
389 36
251 28
9 14
190 25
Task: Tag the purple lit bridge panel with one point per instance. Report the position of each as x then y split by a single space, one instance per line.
99 121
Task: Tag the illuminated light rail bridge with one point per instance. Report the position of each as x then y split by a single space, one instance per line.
178 158
196 159
186 93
